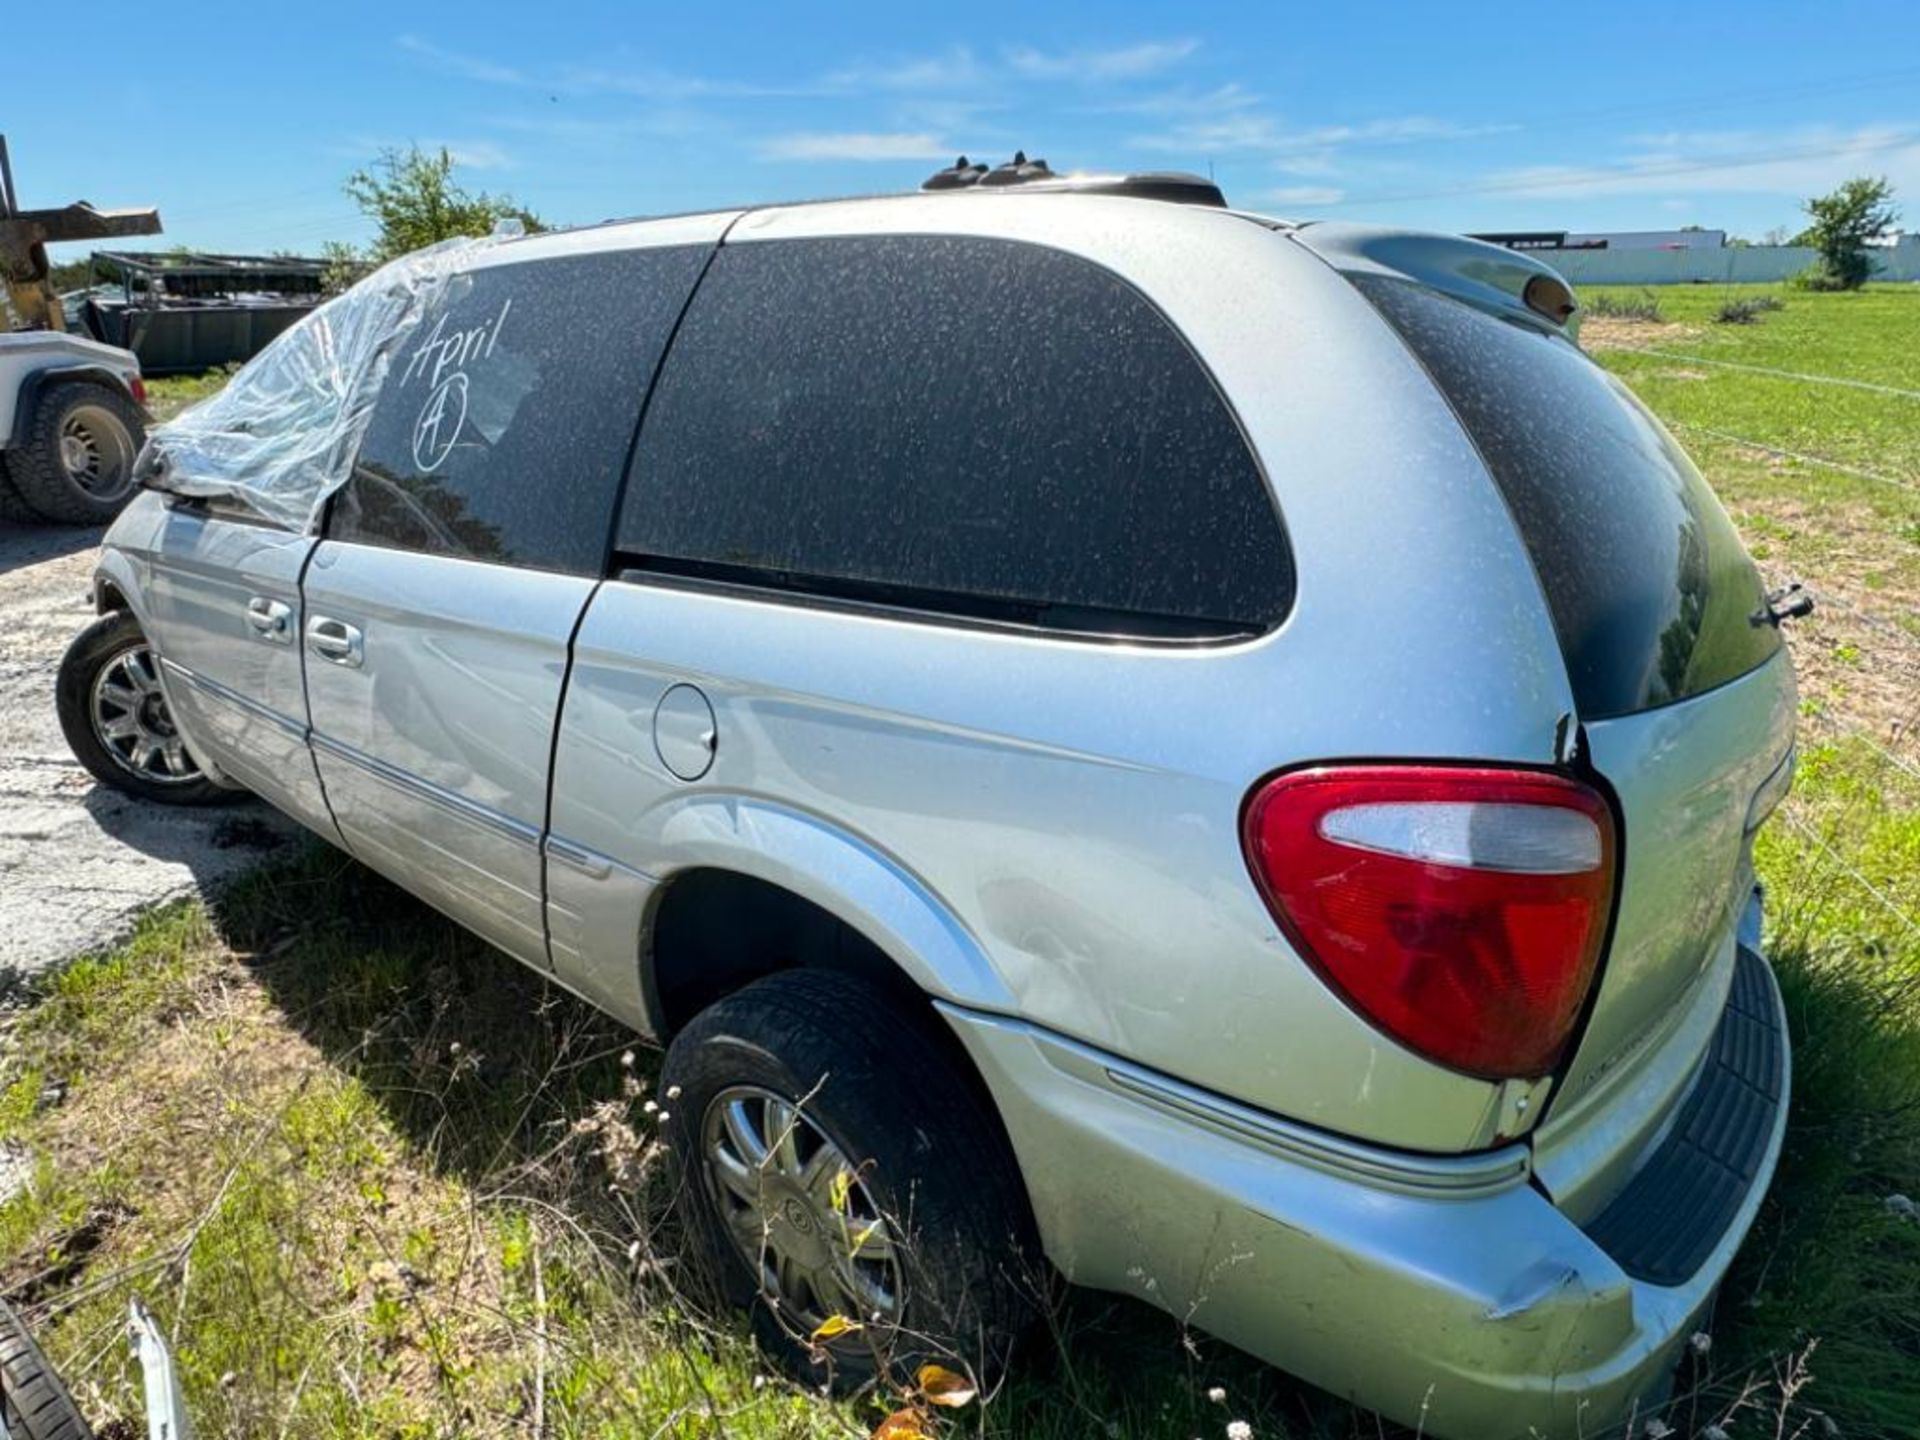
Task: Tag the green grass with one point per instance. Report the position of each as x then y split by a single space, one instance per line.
1865 336
168 395
368 1170
379 1180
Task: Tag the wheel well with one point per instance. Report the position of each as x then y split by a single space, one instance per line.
715 931
107 596
53 376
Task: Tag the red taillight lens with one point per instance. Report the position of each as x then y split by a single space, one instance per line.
1461 911
139 389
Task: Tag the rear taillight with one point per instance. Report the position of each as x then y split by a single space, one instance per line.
1461 911
139 389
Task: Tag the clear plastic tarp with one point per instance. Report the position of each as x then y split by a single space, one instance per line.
282 435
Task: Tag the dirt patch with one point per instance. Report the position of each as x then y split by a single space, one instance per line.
1858 655
1615 332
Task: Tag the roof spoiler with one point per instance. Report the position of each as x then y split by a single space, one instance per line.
1489 276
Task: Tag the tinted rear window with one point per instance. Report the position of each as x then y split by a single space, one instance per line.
954 425
1652 593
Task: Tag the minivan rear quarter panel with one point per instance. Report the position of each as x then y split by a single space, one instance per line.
1071 808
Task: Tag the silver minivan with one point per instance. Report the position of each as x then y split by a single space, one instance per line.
1106 735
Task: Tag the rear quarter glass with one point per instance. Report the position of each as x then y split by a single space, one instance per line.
1651 591
965 425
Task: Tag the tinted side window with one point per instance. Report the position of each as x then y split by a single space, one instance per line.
1650 589
954 424
504 422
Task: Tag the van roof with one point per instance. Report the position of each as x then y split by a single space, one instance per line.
1019 176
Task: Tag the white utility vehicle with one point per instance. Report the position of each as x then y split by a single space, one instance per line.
72 417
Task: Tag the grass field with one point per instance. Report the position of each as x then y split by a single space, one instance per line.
378 1181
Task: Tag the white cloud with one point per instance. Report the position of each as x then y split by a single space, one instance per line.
1399 130
647 82
470 154
1306 195
1125 63
1213 136
480 155
1801 162
455 62
650 83
953 69
1254 132
857 145
1307 162
1221 100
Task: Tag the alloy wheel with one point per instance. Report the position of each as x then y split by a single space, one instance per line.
798 1211
131 719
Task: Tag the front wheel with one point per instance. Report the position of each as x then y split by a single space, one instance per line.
116 720
843 1179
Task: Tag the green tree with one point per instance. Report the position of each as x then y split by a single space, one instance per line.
1844 224
412 197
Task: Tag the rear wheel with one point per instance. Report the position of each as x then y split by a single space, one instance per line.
843 1180
76 467
34 1404
116 719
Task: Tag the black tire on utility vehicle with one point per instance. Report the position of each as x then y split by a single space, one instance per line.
76 464
13 509
116 719
34 1404
836 1166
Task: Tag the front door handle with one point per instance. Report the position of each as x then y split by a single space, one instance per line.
337 641
271 619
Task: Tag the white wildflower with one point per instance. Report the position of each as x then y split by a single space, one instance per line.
1218 1394
673 1092
1239 1430
1700 1342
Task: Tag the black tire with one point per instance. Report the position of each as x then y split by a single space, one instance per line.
109 429
113 638
13 509
880 1083
33 1402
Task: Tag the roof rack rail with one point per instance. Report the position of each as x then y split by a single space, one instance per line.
1175 186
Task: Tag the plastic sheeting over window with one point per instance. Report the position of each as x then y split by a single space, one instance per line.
281 437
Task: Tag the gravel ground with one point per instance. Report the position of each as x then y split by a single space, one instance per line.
77 860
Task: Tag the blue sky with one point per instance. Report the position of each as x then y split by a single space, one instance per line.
1614 115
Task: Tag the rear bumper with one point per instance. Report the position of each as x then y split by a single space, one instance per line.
1446 1292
